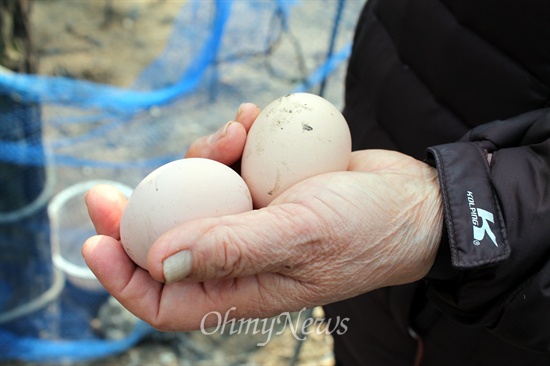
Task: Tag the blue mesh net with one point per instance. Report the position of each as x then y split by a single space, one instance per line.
57 131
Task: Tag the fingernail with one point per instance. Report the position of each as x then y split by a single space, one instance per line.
239 111
176 267
220 133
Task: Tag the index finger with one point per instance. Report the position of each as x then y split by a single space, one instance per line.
227 144
246 115
105 207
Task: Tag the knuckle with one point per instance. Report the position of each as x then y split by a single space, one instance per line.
222 257
232 259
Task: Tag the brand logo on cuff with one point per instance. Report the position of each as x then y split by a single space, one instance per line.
480 221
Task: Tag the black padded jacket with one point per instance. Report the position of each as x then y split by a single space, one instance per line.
464 86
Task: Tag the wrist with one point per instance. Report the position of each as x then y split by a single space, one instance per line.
431 219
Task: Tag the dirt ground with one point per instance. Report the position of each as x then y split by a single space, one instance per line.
111 42
79 38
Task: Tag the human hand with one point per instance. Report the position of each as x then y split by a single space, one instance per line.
106 204
325 239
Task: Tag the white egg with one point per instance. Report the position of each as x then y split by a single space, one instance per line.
175 193
295 137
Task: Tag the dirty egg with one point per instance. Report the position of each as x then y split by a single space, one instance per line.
295 137
175 193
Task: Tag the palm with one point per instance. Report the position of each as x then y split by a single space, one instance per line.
318 248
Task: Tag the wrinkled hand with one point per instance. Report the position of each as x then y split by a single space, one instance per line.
328 238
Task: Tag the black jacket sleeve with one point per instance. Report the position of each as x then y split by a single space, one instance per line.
493 266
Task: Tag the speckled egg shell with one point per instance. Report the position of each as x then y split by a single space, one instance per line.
295 137
175 193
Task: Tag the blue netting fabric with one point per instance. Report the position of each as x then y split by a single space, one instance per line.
213 60
55 131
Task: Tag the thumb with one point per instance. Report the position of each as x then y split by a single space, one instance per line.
266 240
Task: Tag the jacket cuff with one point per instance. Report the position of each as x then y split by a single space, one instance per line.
473 219
442 270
